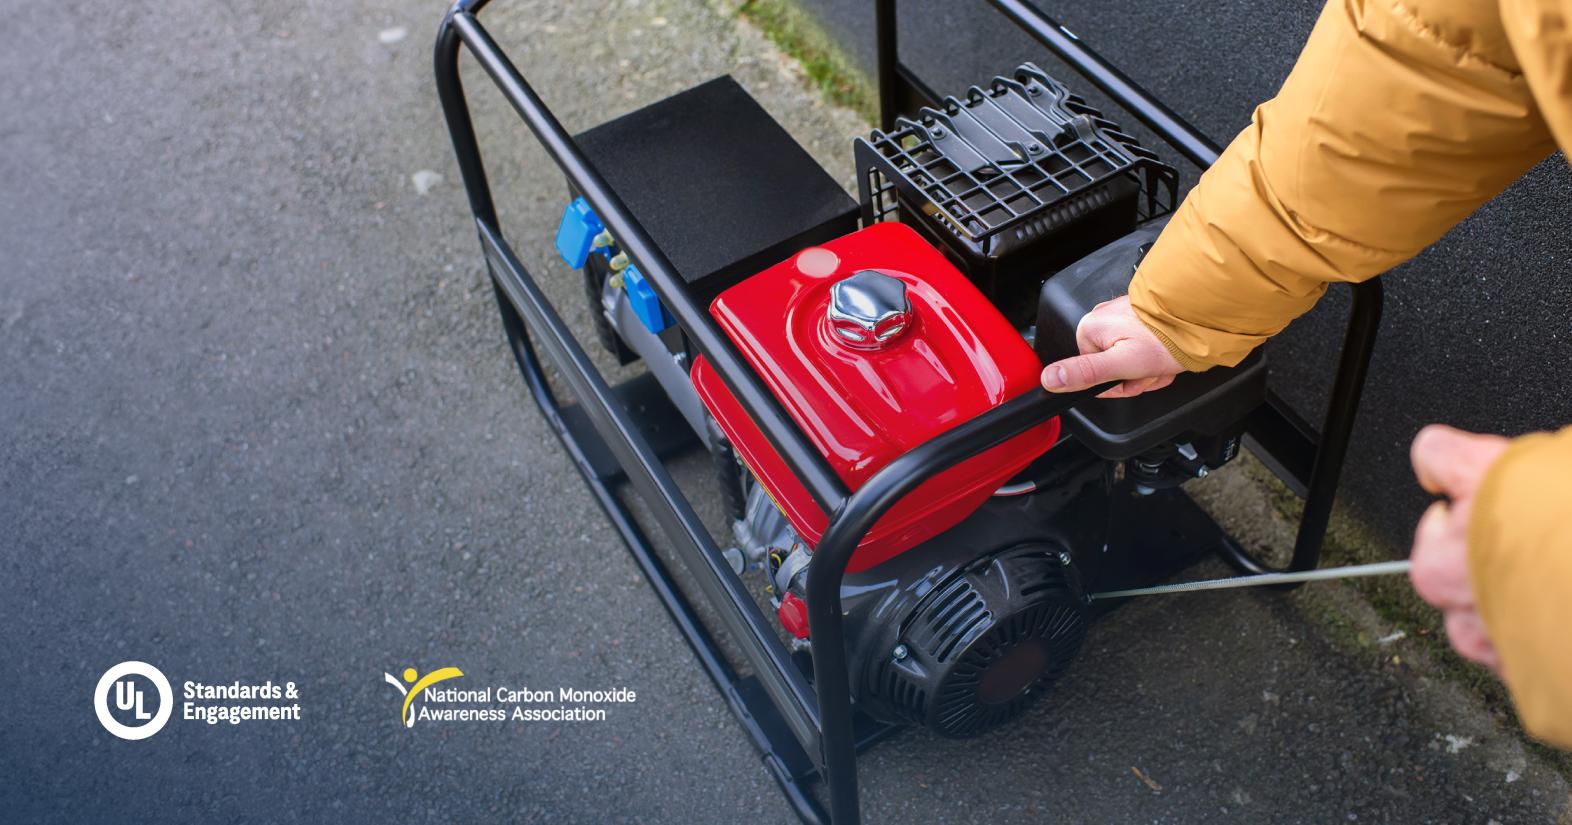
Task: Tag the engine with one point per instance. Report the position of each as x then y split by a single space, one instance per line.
991 223
875 343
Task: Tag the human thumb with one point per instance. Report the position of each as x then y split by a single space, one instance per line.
1452 462
1085 371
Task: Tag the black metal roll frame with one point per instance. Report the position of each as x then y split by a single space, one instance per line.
779 696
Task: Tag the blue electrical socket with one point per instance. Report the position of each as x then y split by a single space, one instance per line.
644 302
576 234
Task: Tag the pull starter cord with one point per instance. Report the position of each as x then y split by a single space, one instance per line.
1385 568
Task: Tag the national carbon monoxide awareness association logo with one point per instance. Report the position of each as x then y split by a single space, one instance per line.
417 687
427 699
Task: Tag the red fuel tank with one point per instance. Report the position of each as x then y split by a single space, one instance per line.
874 343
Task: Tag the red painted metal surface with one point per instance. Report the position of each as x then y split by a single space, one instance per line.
793 614
863 408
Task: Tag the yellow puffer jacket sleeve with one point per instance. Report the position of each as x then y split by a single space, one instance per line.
1520 538
1520 564
1540 33
1399 119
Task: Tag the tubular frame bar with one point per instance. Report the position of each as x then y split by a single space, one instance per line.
821 720
782 679
1331 447
823 484
670 594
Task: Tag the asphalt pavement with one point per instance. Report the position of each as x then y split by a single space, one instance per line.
260 424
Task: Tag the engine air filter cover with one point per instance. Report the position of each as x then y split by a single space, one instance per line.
1013 181
984 645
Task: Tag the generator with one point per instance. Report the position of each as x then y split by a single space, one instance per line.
915 526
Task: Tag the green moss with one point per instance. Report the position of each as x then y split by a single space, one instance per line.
828 68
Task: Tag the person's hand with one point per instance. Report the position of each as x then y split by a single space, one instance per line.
1115 346
1452 463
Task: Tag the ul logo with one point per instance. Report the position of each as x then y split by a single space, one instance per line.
130 699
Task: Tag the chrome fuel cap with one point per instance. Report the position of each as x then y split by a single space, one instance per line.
869 309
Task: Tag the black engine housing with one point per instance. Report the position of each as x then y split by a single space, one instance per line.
984 644
963 632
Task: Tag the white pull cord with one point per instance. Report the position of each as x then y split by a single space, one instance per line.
1385 568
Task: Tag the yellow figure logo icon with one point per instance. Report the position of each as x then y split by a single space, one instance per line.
417 686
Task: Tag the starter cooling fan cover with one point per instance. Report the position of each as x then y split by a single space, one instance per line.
985 644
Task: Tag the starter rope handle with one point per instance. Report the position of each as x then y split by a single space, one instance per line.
1385 568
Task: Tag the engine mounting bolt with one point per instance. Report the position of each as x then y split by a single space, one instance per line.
1200 472
900 652
936 131
1034 148
1065 558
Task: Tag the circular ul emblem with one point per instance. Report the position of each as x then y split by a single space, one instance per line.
131 699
